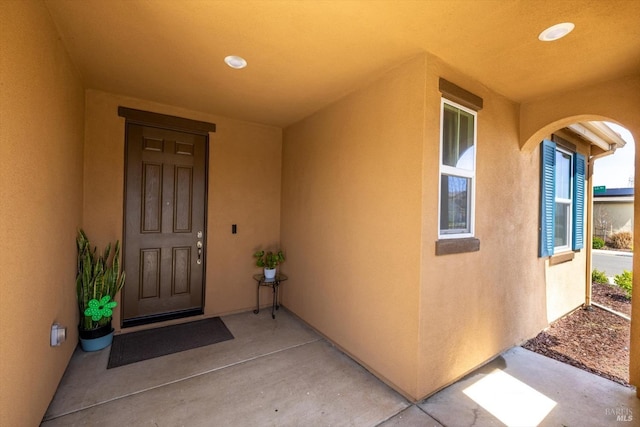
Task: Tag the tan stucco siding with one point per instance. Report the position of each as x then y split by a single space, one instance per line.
41 137
565 285
474 305
471 306
244 189
616 100
351 218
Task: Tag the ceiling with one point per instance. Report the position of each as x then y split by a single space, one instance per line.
304 55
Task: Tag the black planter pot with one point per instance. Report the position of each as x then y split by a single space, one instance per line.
96 339
95 333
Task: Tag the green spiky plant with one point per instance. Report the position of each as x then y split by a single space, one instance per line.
98 281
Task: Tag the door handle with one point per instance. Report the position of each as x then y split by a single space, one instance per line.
199 246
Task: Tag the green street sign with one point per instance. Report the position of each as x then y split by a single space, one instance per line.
600 189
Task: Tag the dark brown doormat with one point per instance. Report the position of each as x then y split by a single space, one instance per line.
143 345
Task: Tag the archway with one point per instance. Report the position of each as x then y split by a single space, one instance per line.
616 101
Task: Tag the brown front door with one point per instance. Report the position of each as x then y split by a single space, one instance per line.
164 238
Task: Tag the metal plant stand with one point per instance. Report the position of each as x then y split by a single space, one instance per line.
273 284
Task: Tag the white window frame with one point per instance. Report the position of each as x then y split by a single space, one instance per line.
463 173
569 202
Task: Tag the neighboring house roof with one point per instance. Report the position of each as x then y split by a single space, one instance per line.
613 192
615 195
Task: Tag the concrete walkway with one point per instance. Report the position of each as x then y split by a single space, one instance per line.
281 373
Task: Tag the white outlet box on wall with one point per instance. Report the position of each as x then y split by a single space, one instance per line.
58 334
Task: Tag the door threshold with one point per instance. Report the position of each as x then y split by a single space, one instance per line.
138 321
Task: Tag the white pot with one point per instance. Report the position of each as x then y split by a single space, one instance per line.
269 273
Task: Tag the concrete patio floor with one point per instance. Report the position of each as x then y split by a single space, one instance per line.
282 373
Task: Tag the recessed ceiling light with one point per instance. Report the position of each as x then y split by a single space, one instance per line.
236 62
556 32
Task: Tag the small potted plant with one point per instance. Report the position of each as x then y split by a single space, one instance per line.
269 261
98 281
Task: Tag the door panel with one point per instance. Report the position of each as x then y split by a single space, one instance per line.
164 221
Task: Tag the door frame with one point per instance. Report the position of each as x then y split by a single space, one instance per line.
179 124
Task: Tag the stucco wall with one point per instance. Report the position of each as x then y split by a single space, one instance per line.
41 137
474 305
351 208
360 187
616 101
566 285
244 189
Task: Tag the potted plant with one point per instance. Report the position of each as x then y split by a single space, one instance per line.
269 261
98 281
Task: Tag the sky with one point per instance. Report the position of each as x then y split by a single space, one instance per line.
616 171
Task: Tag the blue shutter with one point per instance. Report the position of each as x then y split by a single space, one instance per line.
547 197
578 201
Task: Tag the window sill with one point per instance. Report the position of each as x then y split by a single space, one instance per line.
561 258
457 246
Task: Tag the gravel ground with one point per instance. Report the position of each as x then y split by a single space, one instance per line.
591 339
